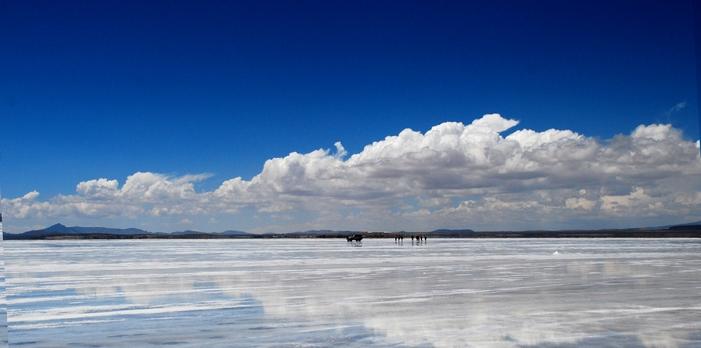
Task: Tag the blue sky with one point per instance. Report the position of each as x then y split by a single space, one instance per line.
107 89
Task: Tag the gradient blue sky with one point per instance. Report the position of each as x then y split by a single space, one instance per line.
102 89
108 88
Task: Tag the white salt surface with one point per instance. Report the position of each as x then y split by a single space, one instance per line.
319 293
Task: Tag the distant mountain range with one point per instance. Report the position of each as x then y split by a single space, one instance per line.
228 233
59 231
687 226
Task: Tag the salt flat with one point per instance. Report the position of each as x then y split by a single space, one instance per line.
3 304
316 292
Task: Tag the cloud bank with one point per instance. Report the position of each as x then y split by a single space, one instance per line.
453 175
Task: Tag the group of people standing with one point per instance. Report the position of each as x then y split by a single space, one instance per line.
417 238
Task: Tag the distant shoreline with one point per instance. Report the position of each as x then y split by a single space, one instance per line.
690 232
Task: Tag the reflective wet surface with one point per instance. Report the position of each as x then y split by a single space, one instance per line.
315 292
3 305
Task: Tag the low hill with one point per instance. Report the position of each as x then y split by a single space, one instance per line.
62 230
687 226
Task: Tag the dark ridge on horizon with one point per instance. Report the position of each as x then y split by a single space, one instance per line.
60 231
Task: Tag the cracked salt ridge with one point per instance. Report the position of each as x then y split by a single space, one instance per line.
497 293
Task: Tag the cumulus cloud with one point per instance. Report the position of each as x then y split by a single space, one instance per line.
98 188
636 200
454 174
579 203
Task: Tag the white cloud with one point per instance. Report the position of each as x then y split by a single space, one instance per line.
98 188
656 132
676 108
580 203
24 206
637 201
455 174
